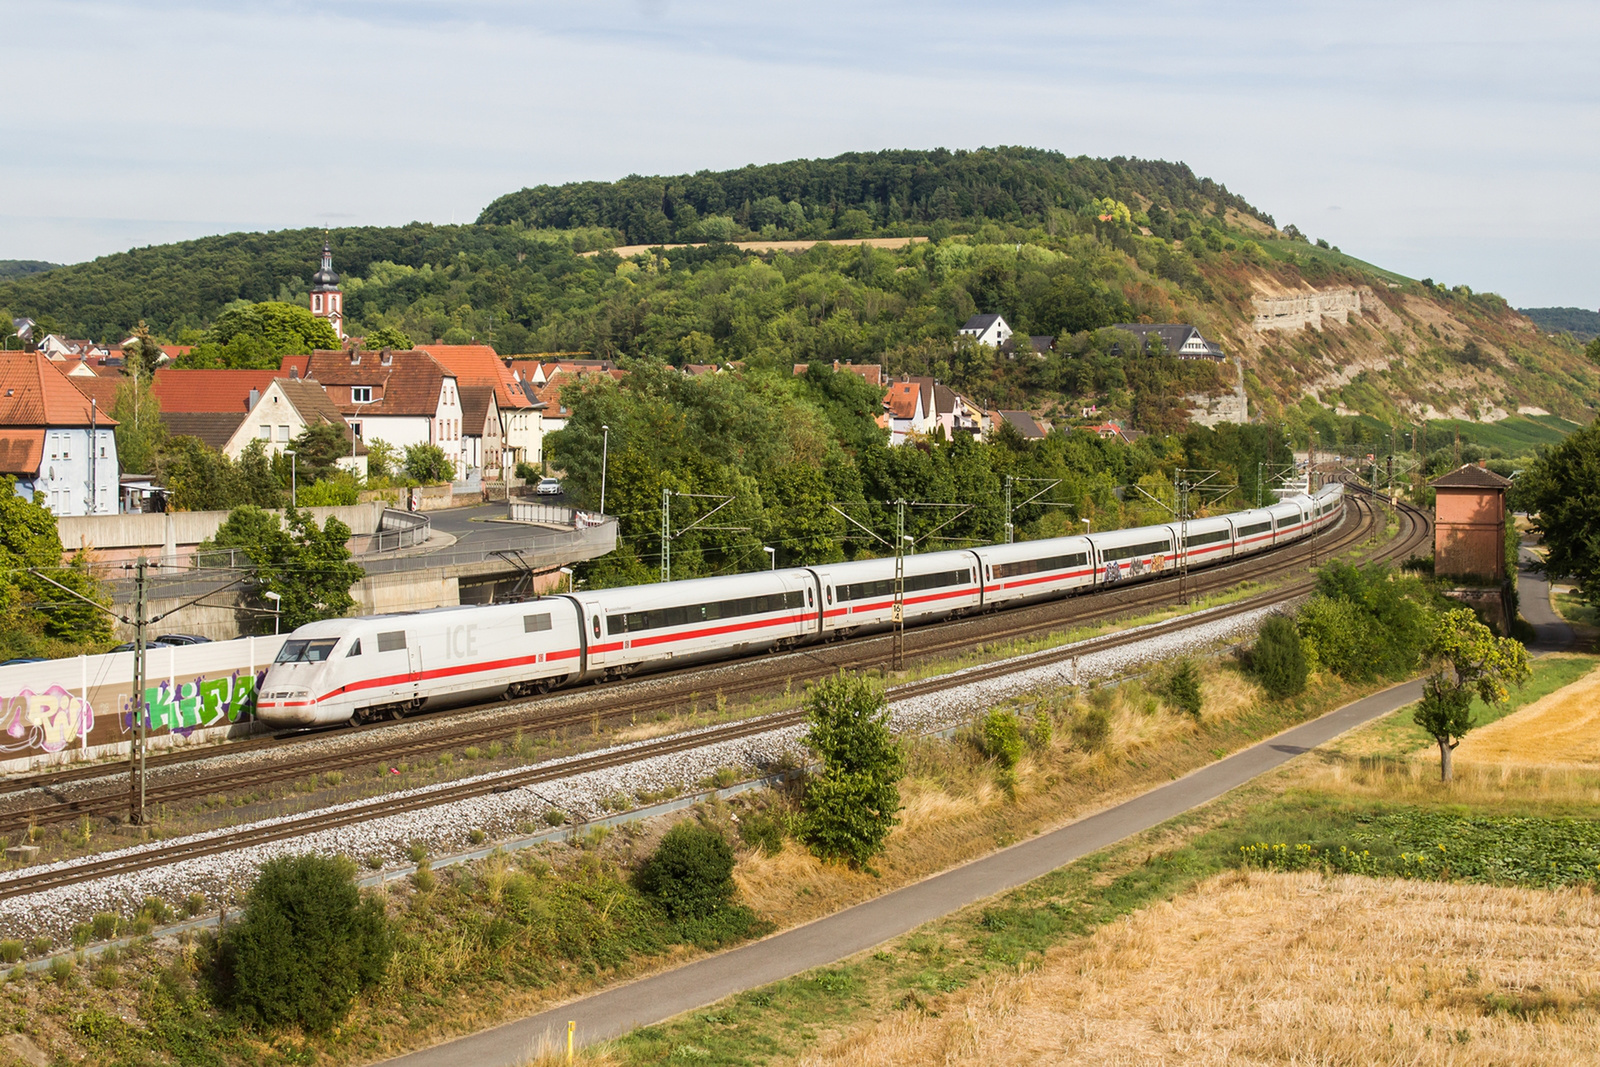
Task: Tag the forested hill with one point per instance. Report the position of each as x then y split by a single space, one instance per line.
861 192
1060 246
18 268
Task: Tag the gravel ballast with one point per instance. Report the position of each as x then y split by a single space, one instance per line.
385 841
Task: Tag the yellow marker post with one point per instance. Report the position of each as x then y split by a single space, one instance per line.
571 1026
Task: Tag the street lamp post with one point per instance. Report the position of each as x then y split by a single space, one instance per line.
605 455
772 557
294 488
277 610
1088 526
568 572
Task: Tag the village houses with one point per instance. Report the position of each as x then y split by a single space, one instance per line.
58 444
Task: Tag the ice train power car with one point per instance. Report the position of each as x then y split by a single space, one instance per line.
367 668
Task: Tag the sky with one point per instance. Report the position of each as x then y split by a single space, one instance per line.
1456 141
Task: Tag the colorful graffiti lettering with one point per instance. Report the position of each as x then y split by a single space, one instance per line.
1113 572
50 720
200 703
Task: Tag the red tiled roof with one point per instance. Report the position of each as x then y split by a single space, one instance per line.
409 384
34 393
21 451
208 390
294 366
902 399
101 390
479 365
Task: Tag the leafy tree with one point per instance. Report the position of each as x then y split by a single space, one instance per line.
140 433
383 459
1183 688
1562 490
851 806
197 477
258 484
1366 623
1001 737
428 464
1473 662
1278 658
691 873
318 450
387 337
144 353
308 566
258 335
28 604
306 944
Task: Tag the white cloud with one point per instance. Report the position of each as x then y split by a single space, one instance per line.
1458 139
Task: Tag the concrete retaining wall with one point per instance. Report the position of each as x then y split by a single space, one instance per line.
173 536
73 709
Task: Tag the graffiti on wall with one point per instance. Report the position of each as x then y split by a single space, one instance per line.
49 721
187 706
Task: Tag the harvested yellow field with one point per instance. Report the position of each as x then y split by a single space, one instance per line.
1259 968
1560 730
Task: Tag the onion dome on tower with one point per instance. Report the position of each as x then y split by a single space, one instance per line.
327 302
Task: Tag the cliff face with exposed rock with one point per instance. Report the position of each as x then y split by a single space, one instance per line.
1400 352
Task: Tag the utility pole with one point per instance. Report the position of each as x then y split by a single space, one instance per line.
666 535
1008 509
1183 488
136 754
899 653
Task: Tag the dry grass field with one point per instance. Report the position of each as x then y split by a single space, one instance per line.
1561 730
1285 969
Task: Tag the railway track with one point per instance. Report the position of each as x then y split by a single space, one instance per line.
1413 533
615 702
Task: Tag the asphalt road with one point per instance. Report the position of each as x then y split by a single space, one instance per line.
616 1011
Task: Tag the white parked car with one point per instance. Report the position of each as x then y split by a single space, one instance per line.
548 487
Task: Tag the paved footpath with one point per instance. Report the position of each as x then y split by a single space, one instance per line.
616 1011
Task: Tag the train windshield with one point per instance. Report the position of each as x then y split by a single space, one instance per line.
307 651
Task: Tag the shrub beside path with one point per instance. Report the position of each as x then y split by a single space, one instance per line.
613 1012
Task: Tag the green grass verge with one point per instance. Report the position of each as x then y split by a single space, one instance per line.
1396 734
1575 610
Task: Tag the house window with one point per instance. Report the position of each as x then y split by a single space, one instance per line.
283 433
355 428
102 451
266 433
361 394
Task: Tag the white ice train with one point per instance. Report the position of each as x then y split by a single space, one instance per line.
391 665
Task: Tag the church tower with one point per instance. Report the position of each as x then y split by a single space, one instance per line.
327 302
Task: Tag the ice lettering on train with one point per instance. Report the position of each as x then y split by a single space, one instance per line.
461 642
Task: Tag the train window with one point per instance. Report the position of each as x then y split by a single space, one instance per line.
1215 536
1256 528
597 626
913 583
808 597
830 594
660 618
355 649
307 651
1031 566
532 624
393 641
1149 548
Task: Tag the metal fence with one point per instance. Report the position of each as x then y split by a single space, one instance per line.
400 529
553 515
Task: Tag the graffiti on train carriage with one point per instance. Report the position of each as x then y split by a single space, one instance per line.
189 706
50 720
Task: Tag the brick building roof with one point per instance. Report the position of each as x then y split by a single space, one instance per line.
212 391
402 382
1470 476
480 365
34 393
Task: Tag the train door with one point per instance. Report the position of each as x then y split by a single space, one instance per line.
414 652
601 646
